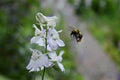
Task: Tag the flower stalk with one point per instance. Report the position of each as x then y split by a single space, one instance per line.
45 48
48 38
43 74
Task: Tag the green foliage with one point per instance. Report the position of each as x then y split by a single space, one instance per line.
15 23
81 8
3 78
71 1
99 7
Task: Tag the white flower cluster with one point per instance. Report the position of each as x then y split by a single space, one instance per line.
48 37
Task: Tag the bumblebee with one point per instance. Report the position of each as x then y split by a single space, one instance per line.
76 34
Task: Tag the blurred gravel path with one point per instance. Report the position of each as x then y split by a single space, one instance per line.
92 61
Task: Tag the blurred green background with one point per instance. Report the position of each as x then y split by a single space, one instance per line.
17 17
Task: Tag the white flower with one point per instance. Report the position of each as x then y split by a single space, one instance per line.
53 39
39 36
37 31
57 59
38 40
38 61
50 21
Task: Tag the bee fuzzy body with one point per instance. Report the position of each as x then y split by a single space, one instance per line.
76 34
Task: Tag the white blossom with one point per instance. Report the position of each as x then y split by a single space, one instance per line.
47 37
54 40
38 61
57 59
37 31
39 36
50 21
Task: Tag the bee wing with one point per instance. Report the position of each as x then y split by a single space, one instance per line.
73 40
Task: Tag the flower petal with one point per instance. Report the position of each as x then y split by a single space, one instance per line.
38 40
41 18
34 40
51 24
48 48
59 31
61 67
52 55
33 66
37 31
61 53
53 18
52 44
60 42
45 61
41 42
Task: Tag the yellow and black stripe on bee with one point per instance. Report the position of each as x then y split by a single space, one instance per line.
77 34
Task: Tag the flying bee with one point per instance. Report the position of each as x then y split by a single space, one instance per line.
76 34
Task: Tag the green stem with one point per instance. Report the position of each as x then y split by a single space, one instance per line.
45 50
46 41
43 74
